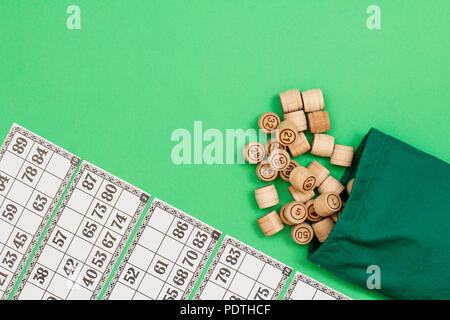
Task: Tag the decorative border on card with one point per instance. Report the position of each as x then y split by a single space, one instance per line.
30 135
107 176
249 250
215 236
313 283
74 160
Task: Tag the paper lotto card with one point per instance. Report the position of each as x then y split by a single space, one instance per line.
85 239
34 174
304 288
166 257
239 272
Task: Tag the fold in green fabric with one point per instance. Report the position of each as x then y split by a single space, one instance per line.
397 218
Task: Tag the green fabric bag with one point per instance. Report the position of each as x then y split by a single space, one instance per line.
397 218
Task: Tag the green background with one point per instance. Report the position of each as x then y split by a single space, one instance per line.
114 91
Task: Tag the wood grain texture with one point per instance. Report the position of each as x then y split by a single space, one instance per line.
323 228
266 196
301 196
291 100
342 155
319 121
322 145
313 100
270 223
331 185
300 146
298 118
302 179
282 216
319 171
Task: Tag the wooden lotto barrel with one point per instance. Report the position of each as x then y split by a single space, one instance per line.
287 133
279 159
302 233
342 155
300 146
273 145
323 228
322 145
270 223
350 186
266 196
285 173
327 203
332 185
282 216
301 196
302 179
254 152
268 122
313 100
265 172
319 121
295 212
291 100
298 118
319 171
312 214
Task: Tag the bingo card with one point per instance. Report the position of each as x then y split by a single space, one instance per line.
239 272
85 239
166 257
34 174
304 288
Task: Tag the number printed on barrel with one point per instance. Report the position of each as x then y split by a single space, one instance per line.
33 175
239 272
85 238
165 258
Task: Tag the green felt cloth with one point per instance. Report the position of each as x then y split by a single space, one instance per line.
397 217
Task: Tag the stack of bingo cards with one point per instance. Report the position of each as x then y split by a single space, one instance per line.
70 230
34 174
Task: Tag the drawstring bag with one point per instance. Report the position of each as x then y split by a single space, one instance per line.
396 222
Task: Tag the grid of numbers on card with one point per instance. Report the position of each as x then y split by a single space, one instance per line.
239 272
85 239
303 287
33 176
165 258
